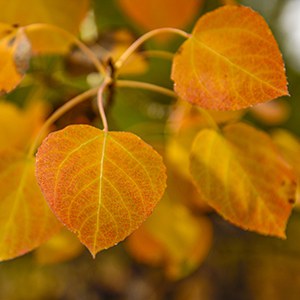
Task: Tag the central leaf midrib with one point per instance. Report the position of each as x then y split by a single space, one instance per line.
100 188
201 43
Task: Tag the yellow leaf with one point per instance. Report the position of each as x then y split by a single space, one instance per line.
184 124
244 178
231 61
66 14
102 186
173 238
25 218
151 14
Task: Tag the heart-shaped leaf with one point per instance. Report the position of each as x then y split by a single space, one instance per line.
231 61
101 185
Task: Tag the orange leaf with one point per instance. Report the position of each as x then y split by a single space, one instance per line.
15 53
25 218
151 14
243 177
231 61
102 186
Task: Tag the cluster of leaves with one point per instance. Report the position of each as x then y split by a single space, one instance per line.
102 185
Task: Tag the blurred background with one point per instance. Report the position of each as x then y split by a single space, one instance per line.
185 251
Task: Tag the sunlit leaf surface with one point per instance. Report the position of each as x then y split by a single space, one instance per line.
231 61
102 186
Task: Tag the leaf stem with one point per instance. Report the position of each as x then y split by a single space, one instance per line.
73 39
101 89
144 38
146 86
167 92
158 53
57 114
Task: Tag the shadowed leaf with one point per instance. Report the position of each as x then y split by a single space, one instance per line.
243 177
172 238
25 218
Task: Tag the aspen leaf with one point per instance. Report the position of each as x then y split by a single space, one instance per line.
15 53
102 186
151 14
173 238
184 124
244 178
231 61
45 11
25 218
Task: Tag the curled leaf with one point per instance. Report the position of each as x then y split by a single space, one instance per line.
101 185
231 61
15 53
243 177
